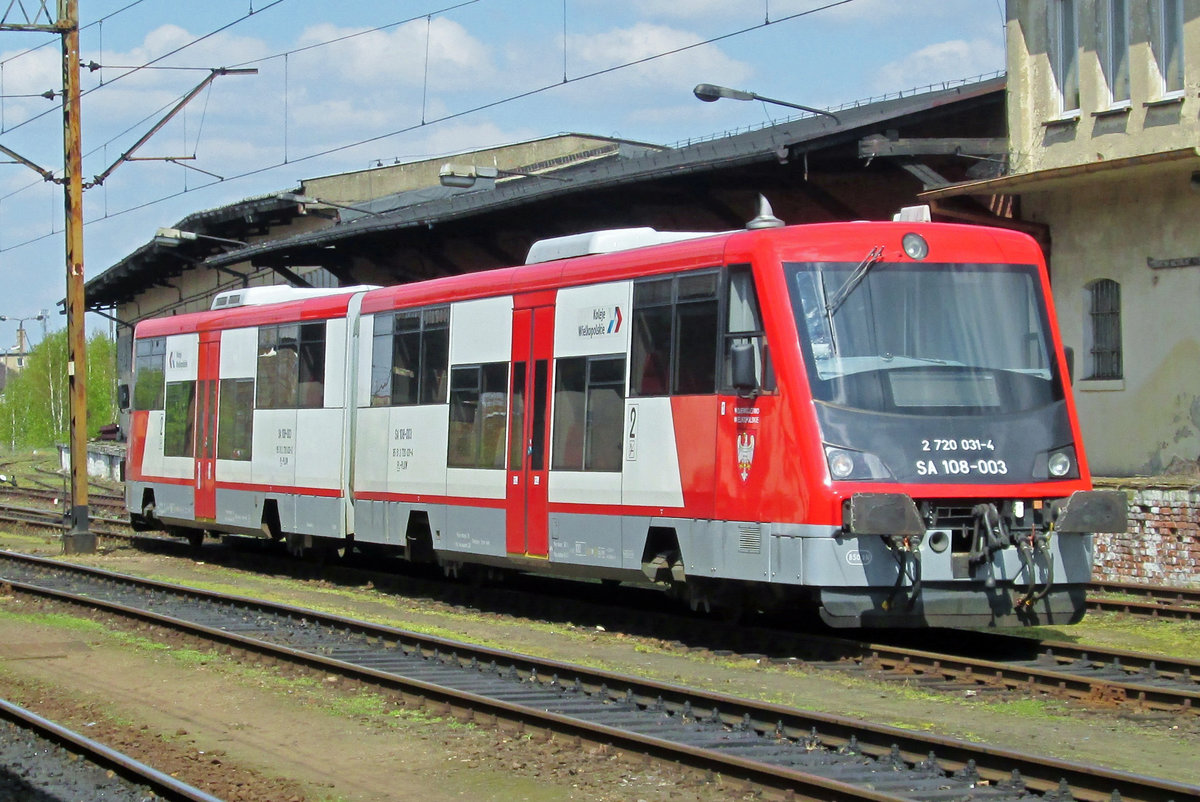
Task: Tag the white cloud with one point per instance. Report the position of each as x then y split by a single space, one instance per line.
588 53
456 59
943 61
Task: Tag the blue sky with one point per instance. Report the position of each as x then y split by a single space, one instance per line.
407 91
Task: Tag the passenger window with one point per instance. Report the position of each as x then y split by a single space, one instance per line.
478 415
311 382
409 357
149 367
744 325
179 419
675 335
589 409
235 426
278 367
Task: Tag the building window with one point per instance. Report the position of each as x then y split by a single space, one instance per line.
1115 59
589 411
291 366
1064 55
478 414
1103 329
410 356
1167 42
675 335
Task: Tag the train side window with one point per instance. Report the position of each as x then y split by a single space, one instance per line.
478 415
675 335
743 325
410 356
516 434
149 368
278 367
179 419
435 354
696 337
589 407
235 419
311 377
651 348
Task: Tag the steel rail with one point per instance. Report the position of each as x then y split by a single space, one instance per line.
1153 601
95 752
995 765
1063 682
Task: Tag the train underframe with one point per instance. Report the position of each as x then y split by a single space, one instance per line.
975 563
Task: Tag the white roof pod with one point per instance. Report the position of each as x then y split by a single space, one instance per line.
616 239
624 239
262 296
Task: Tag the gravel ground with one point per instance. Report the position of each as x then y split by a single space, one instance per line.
33 769
259 734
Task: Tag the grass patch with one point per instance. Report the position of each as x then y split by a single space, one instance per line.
1175 638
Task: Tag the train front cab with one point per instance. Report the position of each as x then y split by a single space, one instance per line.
951 487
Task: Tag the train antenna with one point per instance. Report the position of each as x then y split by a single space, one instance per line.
766 216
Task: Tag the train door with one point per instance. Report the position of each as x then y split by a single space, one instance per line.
529 422
206 425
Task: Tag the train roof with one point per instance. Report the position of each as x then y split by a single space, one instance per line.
599 257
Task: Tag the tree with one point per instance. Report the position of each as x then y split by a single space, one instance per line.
34 406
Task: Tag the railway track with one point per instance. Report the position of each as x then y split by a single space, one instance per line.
961 662
42 760
797 754
1152 601
971 663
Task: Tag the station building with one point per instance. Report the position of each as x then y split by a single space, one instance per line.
1103 125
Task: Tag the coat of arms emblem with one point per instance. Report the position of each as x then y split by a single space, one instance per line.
745 453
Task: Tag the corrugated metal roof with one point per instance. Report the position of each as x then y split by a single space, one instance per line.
761 145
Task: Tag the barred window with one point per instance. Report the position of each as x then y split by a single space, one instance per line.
409 357
1104 317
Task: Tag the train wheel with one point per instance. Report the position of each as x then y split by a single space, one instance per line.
698 597
195 538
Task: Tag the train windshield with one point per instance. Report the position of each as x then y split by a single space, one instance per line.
918 338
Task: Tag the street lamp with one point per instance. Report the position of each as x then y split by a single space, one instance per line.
464 176
173 237
711 93
21 334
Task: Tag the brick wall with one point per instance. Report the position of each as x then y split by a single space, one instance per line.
1162 546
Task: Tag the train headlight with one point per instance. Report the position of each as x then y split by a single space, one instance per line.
915 246
1057 464
841 464
845 463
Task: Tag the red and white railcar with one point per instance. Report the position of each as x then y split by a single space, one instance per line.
870 418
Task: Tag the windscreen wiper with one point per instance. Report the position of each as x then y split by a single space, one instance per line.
853 281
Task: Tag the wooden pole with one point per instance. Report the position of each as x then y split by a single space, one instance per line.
78 538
